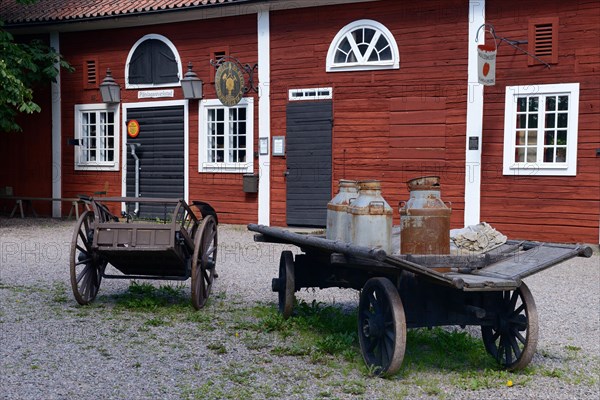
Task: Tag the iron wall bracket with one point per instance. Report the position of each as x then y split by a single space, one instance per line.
247 68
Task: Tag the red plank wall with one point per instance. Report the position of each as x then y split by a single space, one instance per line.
195 42
391 125
563 209
26 156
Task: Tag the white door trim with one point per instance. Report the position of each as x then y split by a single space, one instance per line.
186 141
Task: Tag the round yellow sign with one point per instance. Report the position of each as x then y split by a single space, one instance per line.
133 128
229 83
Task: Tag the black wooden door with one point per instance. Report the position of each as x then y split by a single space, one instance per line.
308 152
161 157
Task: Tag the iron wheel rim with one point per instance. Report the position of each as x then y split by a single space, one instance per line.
86 265
204 261
381 326
512 339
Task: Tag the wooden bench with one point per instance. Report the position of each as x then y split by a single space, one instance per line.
6 194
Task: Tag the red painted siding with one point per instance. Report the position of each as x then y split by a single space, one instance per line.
26 156
195 42
391 125
549 208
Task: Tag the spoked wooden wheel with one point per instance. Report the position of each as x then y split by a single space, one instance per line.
87 267
381 326
204 261
512 339
285 285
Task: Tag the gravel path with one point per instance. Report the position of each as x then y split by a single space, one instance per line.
52 348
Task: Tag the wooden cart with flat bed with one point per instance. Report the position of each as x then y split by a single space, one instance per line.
408 291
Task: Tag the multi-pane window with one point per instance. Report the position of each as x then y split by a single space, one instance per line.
363 45
541 129
97 133
226 137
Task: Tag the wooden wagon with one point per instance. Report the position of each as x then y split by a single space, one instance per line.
181 245
409 291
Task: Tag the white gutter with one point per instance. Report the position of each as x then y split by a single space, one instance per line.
56 134
264 115
474 120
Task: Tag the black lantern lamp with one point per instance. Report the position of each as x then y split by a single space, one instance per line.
191 84
109 89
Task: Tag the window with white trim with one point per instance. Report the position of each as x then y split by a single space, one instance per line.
363 45
540 129
97 134
226 136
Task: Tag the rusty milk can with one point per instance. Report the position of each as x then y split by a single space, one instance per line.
371 217
338 219
424 219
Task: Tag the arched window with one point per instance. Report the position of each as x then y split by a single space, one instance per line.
153 61
363 45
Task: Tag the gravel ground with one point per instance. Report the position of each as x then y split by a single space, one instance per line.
52 348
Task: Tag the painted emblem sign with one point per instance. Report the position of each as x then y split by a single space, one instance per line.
133 128
229 83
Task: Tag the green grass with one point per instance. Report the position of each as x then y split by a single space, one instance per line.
149 298
317 331
325 335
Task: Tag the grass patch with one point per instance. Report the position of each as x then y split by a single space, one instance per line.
59 294
218 348
448 350
315 330
147 297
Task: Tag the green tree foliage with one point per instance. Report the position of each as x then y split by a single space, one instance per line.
23 66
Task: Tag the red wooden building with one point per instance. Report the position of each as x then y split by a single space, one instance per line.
350 89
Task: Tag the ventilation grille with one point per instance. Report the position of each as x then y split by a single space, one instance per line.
91 73
543 40
216 57
543 36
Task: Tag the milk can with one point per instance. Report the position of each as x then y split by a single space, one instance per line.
338 220
370 218
424 219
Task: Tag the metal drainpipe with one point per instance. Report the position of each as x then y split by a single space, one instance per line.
137 175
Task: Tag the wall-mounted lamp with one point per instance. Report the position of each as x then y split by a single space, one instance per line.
191 84
109 89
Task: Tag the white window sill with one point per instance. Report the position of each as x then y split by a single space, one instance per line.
96 167
227 168
539 170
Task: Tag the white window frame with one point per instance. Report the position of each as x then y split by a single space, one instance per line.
152 85
310 94
362 63
81 165
225 167
567 168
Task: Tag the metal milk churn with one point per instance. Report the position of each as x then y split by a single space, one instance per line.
371 218
424 219
338 219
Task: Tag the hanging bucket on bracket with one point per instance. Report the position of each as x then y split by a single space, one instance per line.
486 60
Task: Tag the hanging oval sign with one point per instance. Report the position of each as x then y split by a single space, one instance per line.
133 128
229 83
